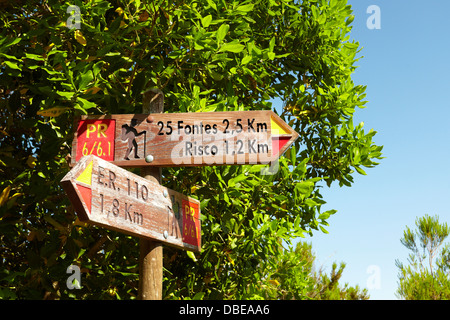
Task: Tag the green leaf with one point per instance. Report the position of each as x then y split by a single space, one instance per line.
85 79
272 44
191 255
325 215
293 152
315 12
7 56
232 47
239 178
215 75
245 8
360 171
206 21
350 20
304 188
222 32
311 203
212 4
246 60
9 41
322 19
67 95
34 57
97 68
85 104
12 65
198 296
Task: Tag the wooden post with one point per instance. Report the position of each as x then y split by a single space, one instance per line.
151 252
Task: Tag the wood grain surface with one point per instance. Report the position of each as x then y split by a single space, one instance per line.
183 139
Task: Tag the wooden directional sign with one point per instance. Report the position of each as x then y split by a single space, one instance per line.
106 195
183 139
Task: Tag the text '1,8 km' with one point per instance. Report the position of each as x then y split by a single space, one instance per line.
184 139
107 195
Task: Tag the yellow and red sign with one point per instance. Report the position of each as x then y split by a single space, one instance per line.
106 195
191 223
96 137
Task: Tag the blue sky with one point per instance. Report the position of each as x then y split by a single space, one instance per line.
406 68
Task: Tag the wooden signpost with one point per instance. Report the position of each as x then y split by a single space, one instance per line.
183 139
106 195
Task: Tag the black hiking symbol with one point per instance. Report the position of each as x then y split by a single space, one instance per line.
130 133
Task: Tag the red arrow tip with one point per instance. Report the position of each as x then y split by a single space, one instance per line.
86 194
278 143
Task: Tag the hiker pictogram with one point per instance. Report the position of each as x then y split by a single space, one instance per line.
130 133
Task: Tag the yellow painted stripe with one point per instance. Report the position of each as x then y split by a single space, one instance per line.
86 175
276 128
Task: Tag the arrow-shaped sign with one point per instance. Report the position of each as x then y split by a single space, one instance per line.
184 139
107 195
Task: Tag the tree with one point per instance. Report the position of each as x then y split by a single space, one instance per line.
205 56
294 277
426 276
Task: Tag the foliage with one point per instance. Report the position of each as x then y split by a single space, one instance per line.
426 276
206 56
328 288
293 277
